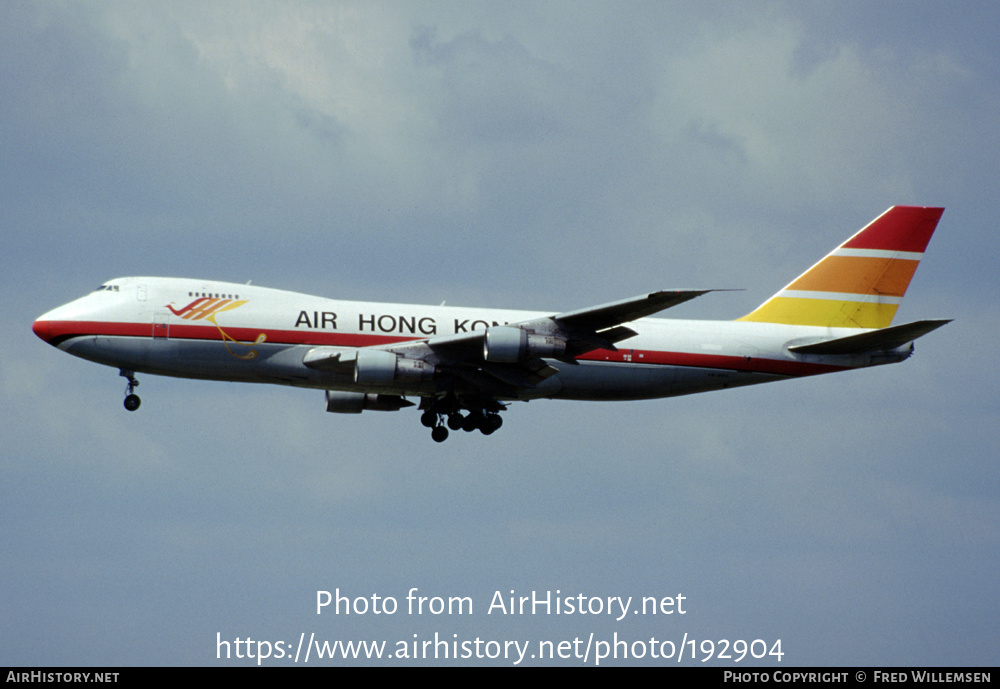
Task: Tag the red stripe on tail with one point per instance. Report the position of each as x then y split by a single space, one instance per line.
901 228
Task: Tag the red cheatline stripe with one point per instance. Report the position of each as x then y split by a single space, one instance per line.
63 330
58 331
730 363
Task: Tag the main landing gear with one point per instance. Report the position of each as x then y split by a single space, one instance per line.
132 400
444 413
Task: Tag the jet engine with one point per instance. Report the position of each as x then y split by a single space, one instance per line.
341 402
379 367
506 344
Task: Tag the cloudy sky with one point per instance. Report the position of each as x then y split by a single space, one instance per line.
529 155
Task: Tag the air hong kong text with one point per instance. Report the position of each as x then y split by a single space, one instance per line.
390 323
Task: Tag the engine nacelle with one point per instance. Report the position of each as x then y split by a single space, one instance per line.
340 402
379 367
506 344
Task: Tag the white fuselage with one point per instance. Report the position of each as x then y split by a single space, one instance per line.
224 331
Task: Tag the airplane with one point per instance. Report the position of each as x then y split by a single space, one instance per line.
465 365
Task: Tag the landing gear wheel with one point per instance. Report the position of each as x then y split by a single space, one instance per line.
132 400
490 424
451 413
471 422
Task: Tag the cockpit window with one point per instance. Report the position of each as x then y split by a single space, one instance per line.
107 288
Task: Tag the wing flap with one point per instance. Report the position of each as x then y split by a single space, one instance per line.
605 339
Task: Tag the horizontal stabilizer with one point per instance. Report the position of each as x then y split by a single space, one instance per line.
875 340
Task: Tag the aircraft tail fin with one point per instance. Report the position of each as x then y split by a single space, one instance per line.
861 283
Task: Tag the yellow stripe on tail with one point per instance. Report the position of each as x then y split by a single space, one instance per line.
861 283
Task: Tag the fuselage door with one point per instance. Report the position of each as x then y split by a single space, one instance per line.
749 356
161 325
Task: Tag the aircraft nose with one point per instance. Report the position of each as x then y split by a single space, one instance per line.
43 328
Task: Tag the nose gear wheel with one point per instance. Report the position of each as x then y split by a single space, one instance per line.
132 400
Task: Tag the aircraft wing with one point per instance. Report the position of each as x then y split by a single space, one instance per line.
505 358
502 359
583 329
617 312
511 356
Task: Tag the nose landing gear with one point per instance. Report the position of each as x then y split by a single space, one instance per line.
132 400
